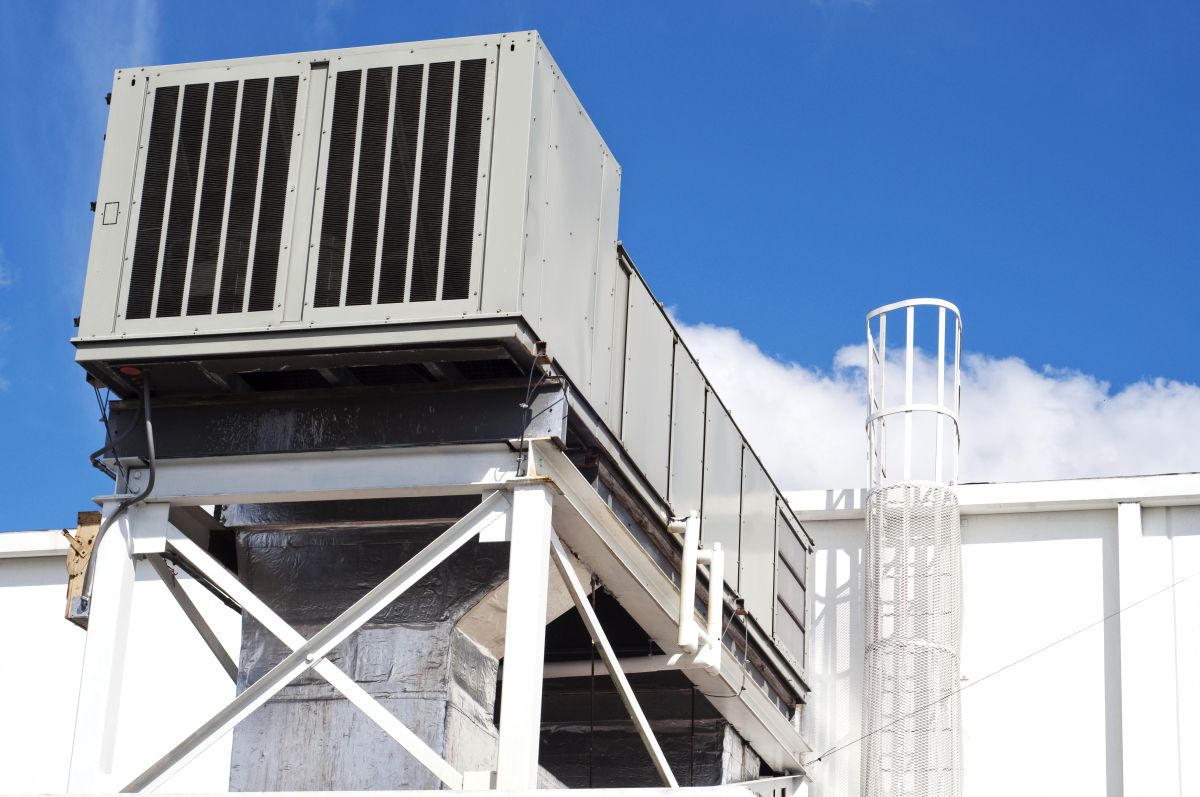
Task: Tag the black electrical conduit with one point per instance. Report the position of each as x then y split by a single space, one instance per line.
83 609
110 445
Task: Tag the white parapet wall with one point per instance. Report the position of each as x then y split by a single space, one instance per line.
172 684
1112 709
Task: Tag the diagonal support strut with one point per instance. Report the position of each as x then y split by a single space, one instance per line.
311 654
194 614
562 561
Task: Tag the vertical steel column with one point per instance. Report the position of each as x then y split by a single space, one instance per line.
525 637
139 529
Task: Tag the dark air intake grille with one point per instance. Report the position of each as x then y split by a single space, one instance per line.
428 247
361 281
274 194
465 177
338 176
406 121
241 198
414 159
183 200
205 175
154 197
212 199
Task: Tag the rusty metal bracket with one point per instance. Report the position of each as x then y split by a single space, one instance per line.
81 543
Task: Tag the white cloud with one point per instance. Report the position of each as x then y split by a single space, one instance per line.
1018 423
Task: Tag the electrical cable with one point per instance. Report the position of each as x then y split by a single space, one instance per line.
1026 657
89 572
110 442
526 410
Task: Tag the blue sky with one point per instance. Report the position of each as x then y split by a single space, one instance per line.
784 171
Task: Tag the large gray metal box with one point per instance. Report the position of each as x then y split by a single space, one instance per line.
353 189
413 195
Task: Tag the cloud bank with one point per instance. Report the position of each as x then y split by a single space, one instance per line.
1018 423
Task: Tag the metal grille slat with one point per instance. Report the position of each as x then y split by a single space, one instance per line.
242 196
153 201
338 176
183 200
397 226
464 180
273 198
427 250
212 198
360 287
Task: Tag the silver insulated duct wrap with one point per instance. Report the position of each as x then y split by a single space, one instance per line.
912 574
913 591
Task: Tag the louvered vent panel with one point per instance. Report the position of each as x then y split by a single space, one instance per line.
400 186
214 191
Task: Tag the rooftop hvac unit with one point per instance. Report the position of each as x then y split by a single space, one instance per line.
245 201
270 223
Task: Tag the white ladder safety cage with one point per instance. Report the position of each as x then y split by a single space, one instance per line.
913 572
930 394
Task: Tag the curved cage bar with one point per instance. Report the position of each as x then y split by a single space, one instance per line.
926 452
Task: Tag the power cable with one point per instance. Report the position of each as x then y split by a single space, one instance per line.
85 598
948 695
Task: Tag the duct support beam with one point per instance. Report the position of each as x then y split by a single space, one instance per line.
525 636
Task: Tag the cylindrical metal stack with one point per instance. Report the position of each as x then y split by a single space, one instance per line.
912 575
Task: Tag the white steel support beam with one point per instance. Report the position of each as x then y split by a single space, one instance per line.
525 637
251 604
193 613
103 660
579 595
307 655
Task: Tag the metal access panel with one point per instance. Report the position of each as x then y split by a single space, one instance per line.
757 559
687 433
791 586
720 522
649 355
